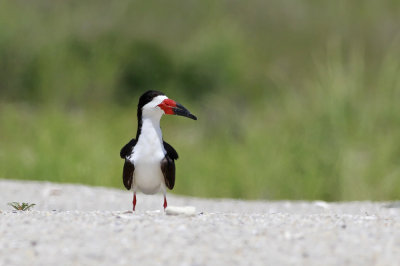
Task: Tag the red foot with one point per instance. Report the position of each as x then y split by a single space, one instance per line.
165 203
134 201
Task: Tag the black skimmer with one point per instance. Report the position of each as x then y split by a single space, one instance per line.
149 160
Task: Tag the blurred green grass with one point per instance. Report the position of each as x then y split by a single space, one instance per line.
295 100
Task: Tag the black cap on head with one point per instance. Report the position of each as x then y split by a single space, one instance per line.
147 97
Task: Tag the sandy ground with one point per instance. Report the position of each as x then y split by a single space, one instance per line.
80 225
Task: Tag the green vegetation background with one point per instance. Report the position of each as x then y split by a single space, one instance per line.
295 99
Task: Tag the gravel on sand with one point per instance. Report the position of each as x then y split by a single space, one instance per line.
81 225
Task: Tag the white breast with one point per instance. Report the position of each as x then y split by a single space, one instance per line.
147 155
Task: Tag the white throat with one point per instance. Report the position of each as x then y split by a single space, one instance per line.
151 129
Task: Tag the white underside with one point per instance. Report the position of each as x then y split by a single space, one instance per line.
147 155
147 180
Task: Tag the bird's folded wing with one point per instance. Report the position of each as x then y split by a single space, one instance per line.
168 169
127 174
129 167
171 152
168 165
127 149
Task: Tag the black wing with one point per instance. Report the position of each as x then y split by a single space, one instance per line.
168 165
129 168
127 149
171 152
127 174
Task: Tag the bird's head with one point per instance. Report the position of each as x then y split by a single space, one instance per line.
155 103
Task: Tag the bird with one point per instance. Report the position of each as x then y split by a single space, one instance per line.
149 164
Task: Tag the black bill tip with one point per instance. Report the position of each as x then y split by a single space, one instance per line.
192 117
182 111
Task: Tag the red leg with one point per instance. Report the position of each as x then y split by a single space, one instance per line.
165 202
134 201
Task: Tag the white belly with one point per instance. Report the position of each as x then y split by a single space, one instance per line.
148 177
146 157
